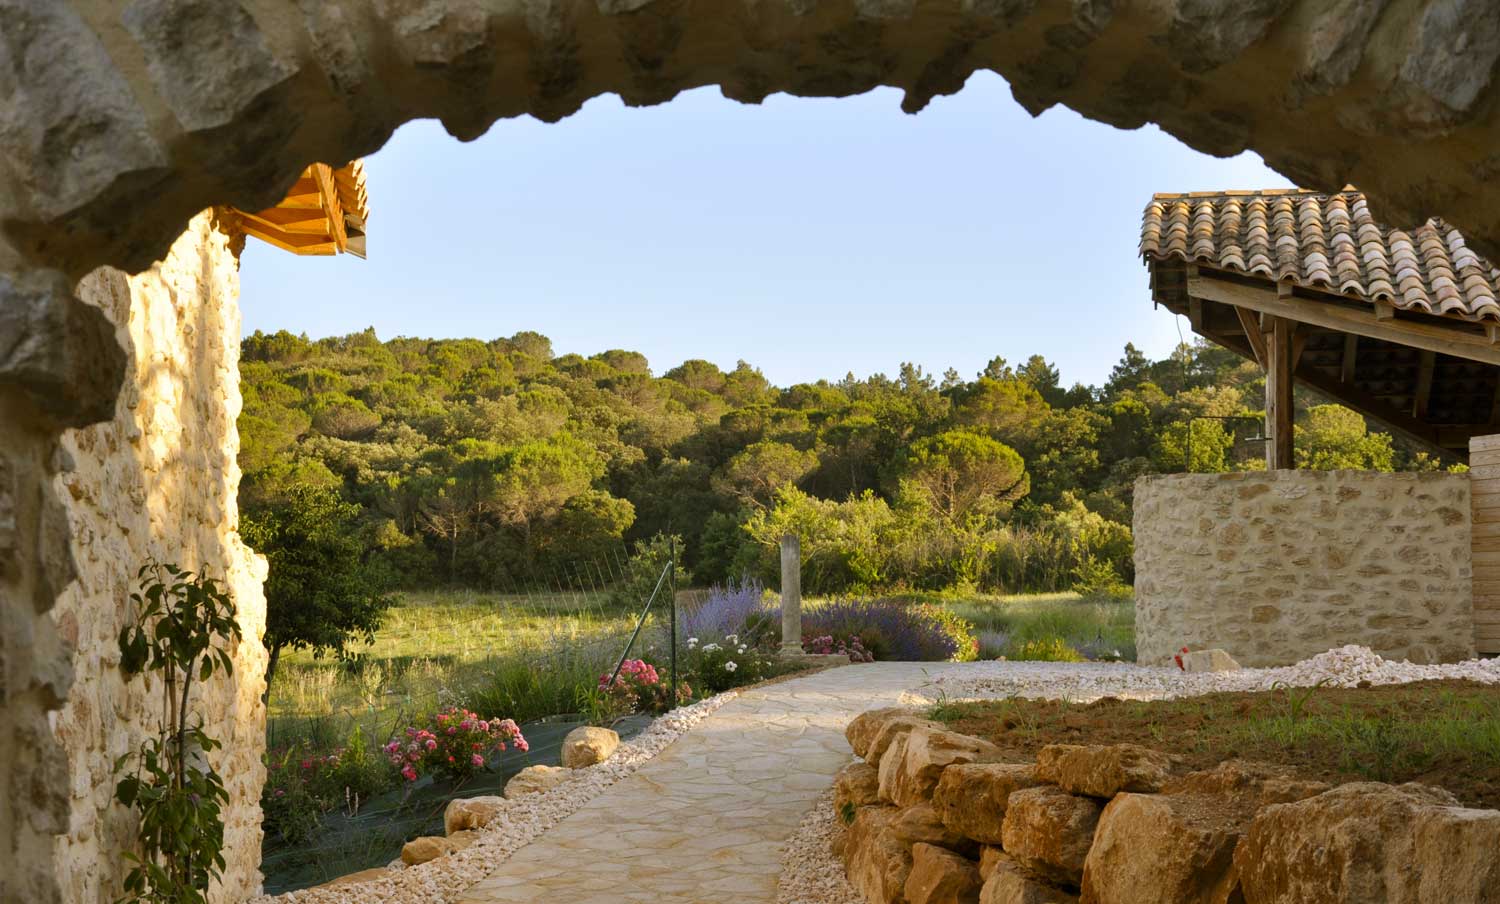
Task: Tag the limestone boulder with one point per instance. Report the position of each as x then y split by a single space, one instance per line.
856 785
471 813
1369 842
1010 883
898 725
536 780
971 797
861 731
920 824
587 746
876 863
1103 771
1247 784
1048 831
1158 849
1214 660
939 876
893 783
990 855
929 751
430 847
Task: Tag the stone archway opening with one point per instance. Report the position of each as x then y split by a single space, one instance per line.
123 123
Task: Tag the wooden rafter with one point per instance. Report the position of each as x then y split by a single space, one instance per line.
1432 337
1423 435
1350 359
1250 321
1426 364
323 213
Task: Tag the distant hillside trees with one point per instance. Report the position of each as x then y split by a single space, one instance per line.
499 464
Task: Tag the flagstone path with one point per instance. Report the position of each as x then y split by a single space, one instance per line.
705 820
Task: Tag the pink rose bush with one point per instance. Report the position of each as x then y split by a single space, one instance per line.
640 687
827 645
455 743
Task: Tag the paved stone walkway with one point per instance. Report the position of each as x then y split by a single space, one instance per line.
705 820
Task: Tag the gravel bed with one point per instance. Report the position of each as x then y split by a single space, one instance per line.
521 822
810 873
1087 681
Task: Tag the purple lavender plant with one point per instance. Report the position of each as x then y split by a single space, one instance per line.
890 629
726 611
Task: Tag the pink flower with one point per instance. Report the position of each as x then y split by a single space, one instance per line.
477 760
409 772
431 744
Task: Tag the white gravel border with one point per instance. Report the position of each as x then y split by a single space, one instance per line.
522 821
810 873
1083 682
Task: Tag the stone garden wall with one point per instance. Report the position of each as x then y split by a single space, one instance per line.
935 817
159 480
1278 566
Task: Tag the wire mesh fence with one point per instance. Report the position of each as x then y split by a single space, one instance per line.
532 653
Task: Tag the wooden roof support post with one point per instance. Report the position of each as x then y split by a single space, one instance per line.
1279 370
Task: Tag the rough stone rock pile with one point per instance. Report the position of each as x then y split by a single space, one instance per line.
935 817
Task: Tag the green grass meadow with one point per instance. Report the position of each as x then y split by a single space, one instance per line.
521 657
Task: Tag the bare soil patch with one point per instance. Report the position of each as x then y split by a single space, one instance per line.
1443 733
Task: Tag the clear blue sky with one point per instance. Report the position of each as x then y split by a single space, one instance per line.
809 237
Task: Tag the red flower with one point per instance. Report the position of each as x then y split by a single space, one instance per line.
1178 659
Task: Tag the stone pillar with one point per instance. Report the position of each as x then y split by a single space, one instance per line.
791 595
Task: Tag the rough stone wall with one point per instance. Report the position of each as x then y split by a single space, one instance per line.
158 480
1278 566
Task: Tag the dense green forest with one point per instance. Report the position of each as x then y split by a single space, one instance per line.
497 464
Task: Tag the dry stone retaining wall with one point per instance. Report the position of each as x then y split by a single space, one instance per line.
158 480
1124 824
1278 566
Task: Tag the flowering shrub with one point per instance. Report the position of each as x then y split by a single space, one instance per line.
456 743
640 687
302 785
291 805
827 645
721 666
893 629
732 609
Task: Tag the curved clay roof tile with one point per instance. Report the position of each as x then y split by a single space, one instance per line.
1324 240
1416 299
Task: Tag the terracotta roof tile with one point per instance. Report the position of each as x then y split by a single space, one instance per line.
1328 242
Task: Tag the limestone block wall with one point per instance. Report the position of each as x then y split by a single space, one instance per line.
159 480
1278 566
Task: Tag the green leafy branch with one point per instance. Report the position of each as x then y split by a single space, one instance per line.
184 627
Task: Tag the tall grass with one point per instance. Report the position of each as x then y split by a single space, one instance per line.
519 657
1006 625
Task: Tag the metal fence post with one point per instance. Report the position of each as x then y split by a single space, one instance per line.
672 588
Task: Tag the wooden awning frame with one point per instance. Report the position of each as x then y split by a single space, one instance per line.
1257 318
324 213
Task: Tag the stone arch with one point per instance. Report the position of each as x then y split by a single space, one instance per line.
121 121
126 120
